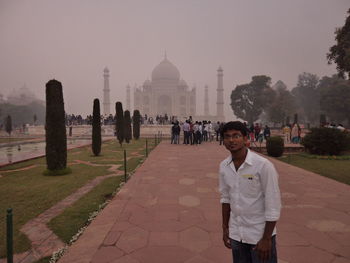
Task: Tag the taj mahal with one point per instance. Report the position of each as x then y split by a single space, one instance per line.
167 93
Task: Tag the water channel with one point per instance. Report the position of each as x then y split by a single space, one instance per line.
22 151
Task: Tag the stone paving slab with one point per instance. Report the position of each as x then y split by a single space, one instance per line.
169 211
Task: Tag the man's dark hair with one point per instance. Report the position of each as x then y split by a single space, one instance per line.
234 125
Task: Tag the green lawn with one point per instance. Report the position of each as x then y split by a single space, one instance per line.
29 192
77 215
338 170
14 139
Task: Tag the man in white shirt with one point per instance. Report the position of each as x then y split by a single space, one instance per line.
250 198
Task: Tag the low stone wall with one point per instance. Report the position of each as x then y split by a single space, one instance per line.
106 130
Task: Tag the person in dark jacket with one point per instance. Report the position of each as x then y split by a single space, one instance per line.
175 130
267 132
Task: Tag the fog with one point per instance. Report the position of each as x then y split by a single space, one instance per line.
73 40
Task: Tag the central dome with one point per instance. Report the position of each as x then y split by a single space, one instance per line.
165 70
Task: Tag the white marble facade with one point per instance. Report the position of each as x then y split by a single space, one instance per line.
165 93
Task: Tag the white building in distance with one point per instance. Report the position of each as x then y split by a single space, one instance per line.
165 93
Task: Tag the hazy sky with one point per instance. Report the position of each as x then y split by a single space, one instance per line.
73 40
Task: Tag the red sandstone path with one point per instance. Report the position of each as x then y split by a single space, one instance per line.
169 212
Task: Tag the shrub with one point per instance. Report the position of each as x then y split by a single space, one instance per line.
96 128
136 120
326 141
275 146
55 129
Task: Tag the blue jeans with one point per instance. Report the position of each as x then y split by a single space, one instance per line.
244 253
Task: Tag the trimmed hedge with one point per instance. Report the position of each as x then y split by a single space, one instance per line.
127 126
8 124
55 128
275 146
136 121
326 141
96 128
120 122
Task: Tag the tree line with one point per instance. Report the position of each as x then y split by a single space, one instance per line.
314 100
311 99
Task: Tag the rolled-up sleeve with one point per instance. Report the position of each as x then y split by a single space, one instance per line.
270 188
224 189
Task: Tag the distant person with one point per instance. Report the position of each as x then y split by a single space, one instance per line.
220 131
176 133
210 131
195 133
286 132
267 132
186 129
257 130
251 133
200 132
295 133
250 199
216 129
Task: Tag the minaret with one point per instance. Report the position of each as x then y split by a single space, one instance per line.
206 101
128 97
106 102
220 96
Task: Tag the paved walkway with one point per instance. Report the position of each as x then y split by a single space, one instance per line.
169 212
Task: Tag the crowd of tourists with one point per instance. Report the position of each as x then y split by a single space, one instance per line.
159 120
195 132
292 133
257 133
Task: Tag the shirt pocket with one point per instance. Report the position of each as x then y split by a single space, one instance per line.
250 186
229 181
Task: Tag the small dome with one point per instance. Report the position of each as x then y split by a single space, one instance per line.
147 83
165 70
106 70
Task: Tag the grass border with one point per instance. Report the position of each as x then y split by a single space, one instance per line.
64 171
59 253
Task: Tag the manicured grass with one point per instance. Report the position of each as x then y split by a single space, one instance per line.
76 216
14 139
29 192
338 170
131 164
38 161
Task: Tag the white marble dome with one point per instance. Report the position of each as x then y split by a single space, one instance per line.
165 70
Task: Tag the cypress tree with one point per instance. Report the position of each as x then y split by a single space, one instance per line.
8 124
136 124
96 128
55 129
119 122
127 126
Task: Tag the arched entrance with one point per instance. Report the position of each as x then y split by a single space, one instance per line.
164 105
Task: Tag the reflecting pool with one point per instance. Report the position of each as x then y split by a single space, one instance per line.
22 151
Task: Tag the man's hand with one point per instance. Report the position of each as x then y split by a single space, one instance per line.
226 238
263 248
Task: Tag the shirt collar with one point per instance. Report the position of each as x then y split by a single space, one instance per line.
248 158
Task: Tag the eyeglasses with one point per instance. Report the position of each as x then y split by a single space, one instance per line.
234 136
